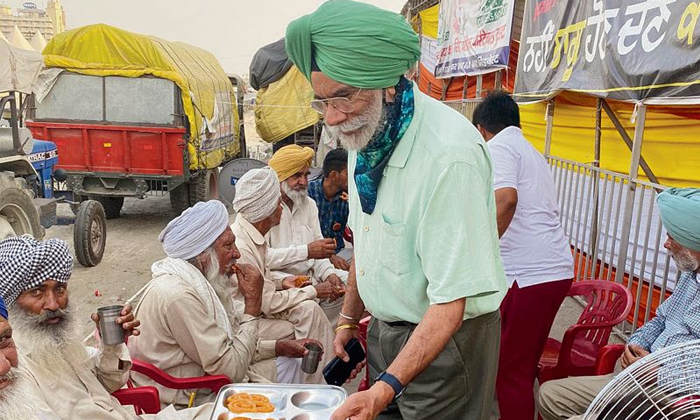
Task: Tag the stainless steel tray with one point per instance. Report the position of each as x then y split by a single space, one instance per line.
292 402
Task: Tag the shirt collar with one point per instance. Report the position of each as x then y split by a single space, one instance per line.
509 132
252 232
400 155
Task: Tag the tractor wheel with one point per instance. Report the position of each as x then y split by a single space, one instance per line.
180 198
112 205
205 186
18 216
90 233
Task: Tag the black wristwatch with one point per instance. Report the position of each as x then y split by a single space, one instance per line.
394 383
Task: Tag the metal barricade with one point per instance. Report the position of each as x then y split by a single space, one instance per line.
614 228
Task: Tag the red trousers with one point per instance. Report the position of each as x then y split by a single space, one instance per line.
526 317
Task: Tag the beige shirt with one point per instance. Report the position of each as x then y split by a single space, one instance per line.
180 337
288 252
253 248
85 394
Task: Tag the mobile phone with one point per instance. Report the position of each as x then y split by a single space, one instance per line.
337 372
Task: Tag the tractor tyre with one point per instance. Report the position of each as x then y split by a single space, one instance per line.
90 233
204 187
112 205
18 215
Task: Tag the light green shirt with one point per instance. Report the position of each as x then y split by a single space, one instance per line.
432 237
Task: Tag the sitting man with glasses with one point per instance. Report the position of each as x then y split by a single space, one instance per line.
427 262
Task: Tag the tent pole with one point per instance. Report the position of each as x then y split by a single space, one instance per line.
621 265
593 241
548 133
479 85
626 138
498 80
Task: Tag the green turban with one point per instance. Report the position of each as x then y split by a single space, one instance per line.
680 214
353 43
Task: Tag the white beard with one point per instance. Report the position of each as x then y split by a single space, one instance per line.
16 399
221 283
355 134
297 196
685 261
58 346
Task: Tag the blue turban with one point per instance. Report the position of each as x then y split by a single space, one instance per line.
680 214
3 308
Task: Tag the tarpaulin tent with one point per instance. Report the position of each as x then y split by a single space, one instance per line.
207 95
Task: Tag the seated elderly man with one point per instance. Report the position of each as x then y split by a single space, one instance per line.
67 381
15 393
190 325
677 320
257 203
296 245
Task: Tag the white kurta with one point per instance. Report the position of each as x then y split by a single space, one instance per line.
85 393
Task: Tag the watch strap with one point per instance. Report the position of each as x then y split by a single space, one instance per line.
393 382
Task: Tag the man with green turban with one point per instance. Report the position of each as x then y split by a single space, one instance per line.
427 264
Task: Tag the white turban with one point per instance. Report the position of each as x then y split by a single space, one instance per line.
195 230
257 194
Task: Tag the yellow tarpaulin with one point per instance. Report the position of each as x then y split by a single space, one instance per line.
207 94
428 21
671 143
282 108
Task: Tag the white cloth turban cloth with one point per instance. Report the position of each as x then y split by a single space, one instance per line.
257 194
26 263
195 230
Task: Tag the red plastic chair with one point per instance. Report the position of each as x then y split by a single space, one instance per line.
608 304
364 324
143 400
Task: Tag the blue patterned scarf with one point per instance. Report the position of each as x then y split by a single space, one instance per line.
371 160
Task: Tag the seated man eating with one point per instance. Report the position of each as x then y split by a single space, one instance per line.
189 329
296 245
258 208
68 381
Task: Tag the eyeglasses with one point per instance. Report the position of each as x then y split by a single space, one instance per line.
340 104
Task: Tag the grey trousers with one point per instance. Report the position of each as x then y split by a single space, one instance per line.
569 398
461 381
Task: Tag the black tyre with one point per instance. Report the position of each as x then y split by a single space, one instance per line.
112 205
205 186
90 233
180 198
18 216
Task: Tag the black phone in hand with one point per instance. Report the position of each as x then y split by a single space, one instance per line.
337 372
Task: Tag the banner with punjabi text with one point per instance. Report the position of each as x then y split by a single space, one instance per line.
629 50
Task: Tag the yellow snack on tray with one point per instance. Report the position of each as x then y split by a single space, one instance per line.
300 280
248 403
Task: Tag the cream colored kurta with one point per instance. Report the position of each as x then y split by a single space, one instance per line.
297 305
288 252
253 248
85 393
180 337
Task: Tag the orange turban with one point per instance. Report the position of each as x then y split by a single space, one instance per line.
290 159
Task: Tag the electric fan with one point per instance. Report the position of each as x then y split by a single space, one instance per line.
664 385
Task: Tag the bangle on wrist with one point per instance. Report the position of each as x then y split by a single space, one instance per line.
347 327
349 318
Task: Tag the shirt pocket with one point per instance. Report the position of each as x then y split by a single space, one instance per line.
393 248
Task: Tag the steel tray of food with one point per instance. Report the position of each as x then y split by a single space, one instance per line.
277 402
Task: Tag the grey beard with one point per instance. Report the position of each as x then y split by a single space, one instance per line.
221 283
16 399
685 261
297 196
58 345
357 133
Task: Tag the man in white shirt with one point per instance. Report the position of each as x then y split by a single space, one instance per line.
536 254
296 245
